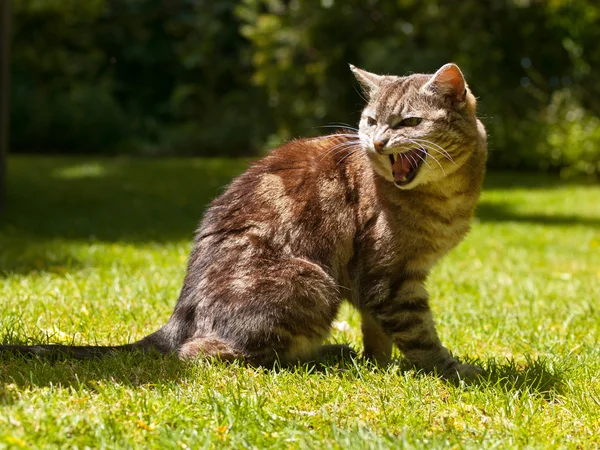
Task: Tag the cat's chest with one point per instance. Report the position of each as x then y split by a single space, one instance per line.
418 233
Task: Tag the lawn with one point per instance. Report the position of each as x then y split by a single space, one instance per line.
94 251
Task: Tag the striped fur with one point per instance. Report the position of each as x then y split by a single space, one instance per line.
321 220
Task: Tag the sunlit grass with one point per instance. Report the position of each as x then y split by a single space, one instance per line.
94 251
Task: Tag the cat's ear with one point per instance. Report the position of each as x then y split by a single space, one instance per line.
449 81
369 81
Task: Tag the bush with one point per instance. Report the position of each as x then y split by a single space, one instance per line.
85 119
572 141
231 77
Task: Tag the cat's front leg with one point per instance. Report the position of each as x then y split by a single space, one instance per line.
406 318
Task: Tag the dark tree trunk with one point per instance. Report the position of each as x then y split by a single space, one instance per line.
4 91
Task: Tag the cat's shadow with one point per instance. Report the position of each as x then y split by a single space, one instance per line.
534 376
131 369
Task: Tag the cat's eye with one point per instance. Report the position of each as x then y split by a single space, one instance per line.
371 122
409 122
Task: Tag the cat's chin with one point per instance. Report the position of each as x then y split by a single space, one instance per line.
382 165
409 184
406 185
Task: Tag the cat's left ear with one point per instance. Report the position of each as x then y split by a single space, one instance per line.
369 81
449 81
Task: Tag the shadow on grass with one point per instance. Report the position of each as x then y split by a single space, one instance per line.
535 376
501 212
21 257
133 370
55 200
113 200
508 180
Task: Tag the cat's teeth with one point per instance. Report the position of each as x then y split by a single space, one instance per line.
397 156
403 179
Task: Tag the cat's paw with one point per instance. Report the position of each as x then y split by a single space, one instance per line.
463 372
336 352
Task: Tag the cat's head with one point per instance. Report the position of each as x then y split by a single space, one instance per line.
419 128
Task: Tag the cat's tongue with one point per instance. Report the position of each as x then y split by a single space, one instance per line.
402 167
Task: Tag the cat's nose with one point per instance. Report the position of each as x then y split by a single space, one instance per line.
380 144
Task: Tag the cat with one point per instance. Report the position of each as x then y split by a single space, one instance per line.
359 215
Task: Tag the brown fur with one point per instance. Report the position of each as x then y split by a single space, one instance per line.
319 221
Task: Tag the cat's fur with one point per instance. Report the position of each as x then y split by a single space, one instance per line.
326 219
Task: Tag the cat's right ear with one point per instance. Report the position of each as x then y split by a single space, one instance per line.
449 81
369 81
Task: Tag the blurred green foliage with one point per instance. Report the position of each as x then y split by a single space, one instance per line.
235 77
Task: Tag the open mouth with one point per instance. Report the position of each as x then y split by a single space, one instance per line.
405 166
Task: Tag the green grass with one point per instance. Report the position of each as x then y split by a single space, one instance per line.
94 251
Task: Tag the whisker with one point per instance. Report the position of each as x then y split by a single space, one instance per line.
438 163
423 159
343 135
338 125
429 154
349 154
351 148
431 146
401 158
338 148
412 160
360 94
427 146
445 153
343 145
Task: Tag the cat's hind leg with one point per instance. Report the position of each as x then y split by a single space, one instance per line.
325 355
377 343
280 309
208 347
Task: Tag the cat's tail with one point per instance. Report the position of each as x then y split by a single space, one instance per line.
71 351
155 343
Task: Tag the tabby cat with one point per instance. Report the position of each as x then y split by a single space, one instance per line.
359 215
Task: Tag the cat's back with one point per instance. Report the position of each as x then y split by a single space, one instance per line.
301 173
297 200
